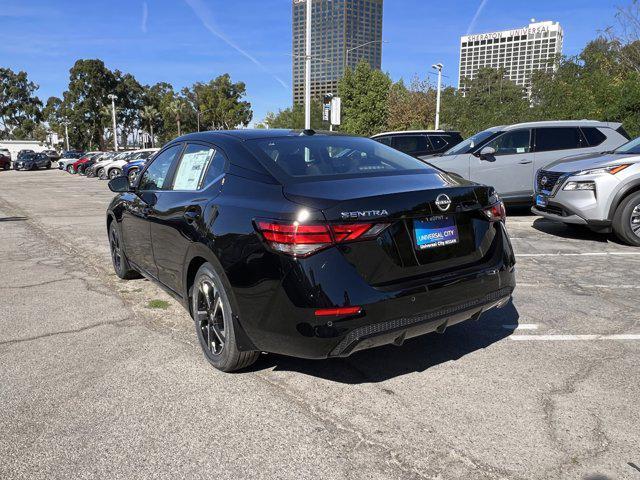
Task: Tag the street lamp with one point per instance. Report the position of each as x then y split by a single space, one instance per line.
66 133
349 50
199 114
307 72
438 67
113 99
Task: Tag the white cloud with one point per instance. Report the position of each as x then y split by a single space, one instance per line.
472 25
205 16
145 16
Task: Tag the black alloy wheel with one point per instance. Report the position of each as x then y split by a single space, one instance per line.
120 263
213 317
132 175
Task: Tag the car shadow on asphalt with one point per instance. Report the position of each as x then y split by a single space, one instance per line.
416 355
573 232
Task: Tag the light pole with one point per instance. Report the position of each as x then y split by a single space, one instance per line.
438 67
349 50
307 73
113 99
66 133
199 113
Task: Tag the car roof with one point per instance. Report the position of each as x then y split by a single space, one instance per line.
560 123
249 134
414 131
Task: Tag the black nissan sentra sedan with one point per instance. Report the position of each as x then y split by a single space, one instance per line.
309 244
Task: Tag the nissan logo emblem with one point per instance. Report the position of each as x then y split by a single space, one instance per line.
443 202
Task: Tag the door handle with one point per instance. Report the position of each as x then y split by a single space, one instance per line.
525 162
192 215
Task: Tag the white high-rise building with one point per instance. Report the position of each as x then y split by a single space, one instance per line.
519 52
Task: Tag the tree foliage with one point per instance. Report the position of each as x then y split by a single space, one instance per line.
220 103
293 117
19 107
365 95
413 107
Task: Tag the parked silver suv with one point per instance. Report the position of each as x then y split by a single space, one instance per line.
507 157
599 191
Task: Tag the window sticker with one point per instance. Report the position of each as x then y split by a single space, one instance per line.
192 168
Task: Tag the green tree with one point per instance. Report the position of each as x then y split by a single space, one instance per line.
293 117
19 107
90 82
365 97
488 99
129 105
413 107
149 117
159 96
220 103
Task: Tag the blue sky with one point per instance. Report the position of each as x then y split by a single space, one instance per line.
183 41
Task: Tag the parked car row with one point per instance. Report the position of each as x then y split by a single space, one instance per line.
577 172
105 165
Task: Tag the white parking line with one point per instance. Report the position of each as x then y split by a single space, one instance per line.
569 338
521 326
594 254
581 285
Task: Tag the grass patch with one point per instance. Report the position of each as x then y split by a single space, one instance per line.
158 304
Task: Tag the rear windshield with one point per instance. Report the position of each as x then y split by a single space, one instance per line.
329 156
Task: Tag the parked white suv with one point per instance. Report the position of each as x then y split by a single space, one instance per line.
507 157
601 192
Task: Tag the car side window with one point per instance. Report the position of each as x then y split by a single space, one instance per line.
199 165
384 140
593 135
438 142
512 143
155 176
412 144
558 138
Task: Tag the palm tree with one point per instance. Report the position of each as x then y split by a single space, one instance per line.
150 114
176 108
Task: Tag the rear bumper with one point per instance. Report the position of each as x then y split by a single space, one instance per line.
279 316
401 329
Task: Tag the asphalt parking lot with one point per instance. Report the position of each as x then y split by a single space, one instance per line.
95 383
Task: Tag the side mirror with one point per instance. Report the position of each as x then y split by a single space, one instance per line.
120 185
488 154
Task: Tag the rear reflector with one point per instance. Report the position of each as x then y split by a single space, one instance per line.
338 312
304 239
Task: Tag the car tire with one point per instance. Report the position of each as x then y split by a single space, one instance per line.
100 174
114 173
119 259
132 175
213 319
6 166
70 169
49 166
626 221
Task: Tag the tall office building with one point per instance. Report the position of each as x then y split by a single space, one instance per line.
519 52
337 28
